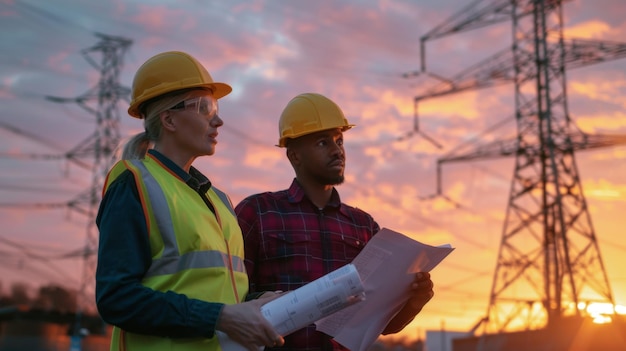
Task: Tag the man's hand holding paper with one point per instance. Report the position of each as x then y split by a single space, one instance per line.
421 291
394 271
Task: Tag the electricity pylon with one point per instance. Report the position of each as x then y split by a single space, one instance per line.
98 147
549 260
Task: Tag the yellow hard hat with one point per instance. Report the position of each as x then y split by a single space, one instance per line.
309 113
167 72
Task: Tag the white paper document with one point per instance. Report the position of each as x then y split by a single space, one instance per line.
386 266
298 308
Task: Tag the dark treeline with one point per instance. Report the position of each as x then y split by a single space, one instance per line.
48 304
53 298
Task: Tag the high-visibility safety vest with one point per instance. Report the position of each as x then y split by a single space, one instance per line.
194 252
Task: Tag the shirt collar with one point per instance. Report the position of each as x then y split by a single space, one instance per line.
296 194
195 179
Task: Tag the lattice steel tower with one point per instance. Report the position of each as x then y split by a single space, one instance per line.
549 259
98 147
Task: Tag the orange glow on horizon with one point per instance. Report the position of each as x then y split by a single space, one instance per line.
601 312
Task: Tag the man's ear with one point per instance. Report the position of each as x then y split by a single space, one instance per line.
293 155
167 121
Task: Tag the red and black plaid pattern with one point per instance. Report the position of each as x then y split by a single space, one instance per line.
290 242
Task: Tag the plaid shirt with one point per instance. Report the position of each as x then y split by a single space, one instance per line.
290 242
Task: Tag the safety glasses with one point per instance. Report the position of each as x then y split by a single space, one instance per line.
205 106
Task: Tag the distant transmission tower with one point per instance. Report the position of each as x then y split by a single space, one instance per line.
549 260
99 147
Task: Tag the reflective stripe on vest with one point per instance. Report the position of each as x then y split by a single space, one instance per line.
171 262
225 200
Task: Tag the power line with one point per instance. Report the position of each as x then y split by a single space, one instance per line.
50 266
32 188
52 17
31 136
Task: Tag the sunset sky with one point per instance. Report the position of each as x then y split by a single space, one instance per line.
360 53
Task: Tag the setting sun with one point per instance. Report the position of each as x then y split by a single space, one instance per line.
602 312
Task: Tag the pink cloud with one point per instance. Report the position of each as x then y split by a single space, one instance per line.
157 18
59 62
589 30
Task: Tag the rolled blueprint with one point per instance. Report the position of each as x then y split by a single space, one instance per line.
298 308
320 298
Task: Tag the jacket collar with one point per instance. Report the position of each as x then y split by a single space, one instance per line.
195 179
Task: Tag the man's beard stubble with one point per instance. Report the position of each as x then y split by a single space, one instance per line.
330 180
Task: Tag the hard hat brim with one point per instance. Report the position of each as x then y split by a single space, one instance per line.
282 142
219 91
